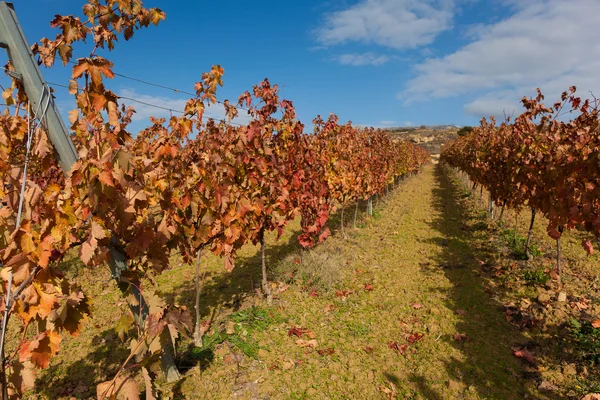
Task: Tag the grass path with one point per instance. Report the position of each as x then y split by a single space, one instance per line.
427 300
400 310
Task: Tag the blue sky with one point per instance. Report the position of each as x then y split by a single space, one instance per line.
374 62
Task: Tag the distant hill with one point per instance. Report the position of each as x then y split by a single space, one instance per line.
430 137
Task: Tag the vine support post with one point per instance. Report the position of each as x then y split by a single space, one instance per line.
558 257
265 281
12 38
515 233
502 211
2 360
197 334
527 244
356 212
558 266
370 206
118 263
342 222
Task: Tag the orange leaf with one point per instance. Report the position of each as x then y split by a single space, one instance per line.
41 349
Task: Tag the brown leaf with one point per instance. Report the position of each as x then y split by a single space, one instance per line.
307 343
42 146
523 353
326 352
591 396
106 178
417 306
299 332
329 307
414 338
398 348
596 323
460 337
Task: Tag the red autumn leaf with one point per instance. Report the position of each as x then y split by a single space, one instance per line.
587 245
297 331
343 293
414 338
523 353
398 348
326 352
460 337
368 287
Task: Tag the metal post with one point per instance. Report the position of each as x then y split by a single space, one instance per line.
13 40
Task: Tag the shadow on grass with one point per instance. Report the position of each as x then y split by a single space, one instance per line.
488 367
78 379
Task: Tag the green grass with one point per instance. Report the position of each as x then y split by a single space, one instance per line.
516 242
536 277
587 341
256 318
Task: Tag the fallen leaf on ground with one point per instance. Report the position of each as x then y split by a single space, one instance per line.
368 287
329 308
462 313
417 306
326 352
523 353
460 337
591 396
398 348
281 289
414 338
368 350
307 343
343 293
596 323
299 332
287 365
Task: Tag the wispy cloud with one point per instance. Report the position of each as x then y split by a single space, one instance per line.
544 43
399 24
362 59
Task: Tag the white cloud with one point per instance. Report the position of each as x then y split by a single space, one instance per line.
399 24
362 59
151 108
545 43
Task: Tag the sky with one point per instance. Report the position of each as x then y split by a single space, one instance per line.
379 63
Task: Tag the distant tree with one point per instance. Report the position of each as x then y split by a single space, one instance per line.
465 130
